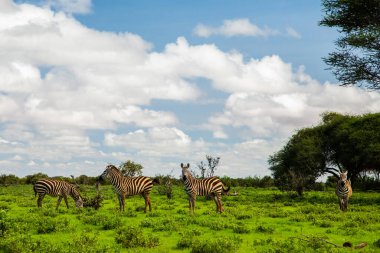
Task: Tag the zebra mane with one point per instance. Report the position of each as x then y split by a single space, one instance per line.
114 169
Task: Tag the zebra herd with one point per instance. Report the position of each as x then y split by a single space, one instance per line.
129 186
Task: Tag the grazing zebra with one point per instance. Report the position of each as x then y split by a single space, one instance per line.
202 187
343 191
56 188
128 186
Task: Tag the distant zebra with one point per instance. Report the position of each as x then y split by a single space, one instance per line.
343 191
56 188
128 186
202 187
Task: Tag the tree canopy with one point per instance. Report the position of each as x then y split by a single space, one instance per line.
339 143
131 169
357 58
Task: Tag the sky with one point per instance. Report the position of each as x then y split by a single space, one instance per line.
88 83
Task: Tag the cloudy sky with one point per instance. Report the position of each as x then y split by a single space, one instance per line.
87 83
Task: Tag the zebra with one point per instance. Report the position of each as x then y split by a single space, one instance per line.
343 191
202 187
128 186
56 188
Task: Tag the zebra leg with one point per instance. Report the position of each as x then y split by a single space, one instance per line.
59 202
193 203
216 202
122 203
39 200
67 204
147 202
220 203
345 204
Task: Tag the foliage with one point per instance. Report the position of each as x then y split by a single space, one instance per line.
357 58
131 237
340 142
300 162
131 169
256 220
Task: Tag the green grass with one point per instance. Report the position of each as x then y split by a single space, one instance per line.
257 220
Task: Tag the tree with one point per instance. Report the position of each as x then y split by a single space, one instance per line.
32 179
300 162
352 143
212 164
131 169
357 59
339 143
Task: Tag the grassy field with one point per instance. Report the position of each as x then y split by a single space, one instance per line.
257 220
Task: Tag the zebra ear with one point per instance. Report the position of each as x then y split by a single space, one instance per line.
188 165
181 165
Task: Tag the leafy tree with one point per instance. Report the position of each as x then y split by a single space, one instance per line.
300 162
131 169
352 143
357 59
32 179
339 143
9 179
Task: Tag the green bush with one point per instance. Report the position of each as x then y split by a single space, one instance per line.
263 229
216 245
131 237
377 243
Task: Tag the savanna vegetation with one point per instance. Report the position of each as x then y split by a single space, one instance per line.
255 220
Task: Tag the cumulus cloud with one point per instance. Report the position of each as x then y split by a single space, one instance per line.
234 27
157 141
68 92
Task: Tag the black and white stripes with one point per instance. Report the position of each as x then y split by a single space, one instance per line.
128 186
56 188
343 191
201 187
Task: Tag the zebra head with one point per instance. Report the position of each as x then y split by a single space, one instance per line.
77 197
109 172
343 179
185 171
79 202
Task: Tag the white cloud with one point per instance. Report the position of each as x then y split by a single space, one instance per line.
157 141
293 33
60 80
71 6
234 27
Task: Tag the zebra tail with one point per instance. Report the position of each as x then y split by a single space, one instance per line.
226 190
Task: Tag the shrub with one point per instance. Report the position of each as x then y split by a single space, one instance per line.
187 238
4 223
377 243
241 228
131 237
263 229
216 245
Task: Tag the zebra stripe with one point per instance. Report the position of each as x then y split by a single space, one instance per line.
128 186
202 187
343 191
56 188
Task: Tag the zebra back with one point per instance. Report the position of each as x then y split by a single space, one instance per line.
54 188
201 187
127 185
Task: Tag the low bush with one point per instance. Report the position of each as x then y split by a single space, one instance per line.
131 237
216 245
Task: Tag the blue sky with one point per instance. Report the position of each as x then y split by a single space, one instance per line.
87 83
